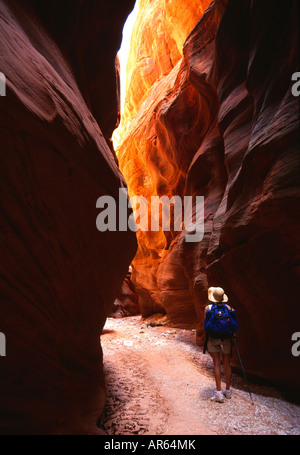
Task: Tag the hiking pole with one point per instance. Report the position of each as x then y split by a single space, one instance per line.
234 339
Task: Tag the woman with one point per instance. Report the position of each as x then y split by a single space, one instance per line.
220 322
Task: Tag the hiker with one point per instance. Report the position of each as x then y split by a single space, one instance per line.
220 323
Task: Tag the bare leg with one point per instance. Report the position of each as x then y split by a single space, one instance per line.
217 368
227 370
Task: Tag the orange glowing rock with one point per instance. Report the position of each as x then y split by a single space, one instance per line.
154 155
156 46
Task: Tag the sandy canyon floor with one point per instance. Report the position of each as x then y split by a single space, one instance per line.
160 383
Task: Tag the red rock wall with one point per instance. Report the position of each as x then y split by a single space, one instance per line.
89 33
59 275
254 248
223 124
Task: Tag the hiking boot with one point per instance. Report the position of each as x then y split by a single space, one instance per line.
227 393
218 396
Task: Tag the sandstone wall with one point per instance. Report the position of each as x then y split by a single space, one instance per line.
59 275
222 123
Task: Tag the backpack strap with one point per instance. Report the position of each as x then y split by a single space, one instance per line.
206 334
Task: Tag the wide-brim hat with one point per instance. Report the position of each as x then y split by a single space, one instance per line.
217 295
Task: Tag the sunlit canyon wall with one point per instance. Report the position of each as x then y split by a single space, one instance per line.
59 275
209 111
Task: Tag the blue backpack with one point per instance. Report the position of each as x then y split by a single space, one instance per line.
220 321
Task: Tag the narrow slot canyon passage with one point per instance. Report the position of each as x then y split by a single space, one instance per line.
133 184
158 380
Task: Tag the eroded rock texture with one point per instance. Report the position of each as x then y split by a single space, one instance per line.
127 301
89 34
222 123
59 275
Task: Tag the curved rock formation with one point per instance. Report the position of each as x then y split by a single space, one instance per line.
159 32
59 275
89 33
221 122
127 301
154 148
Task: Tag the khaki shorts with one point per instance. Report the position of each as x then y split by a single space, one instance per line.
218 345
